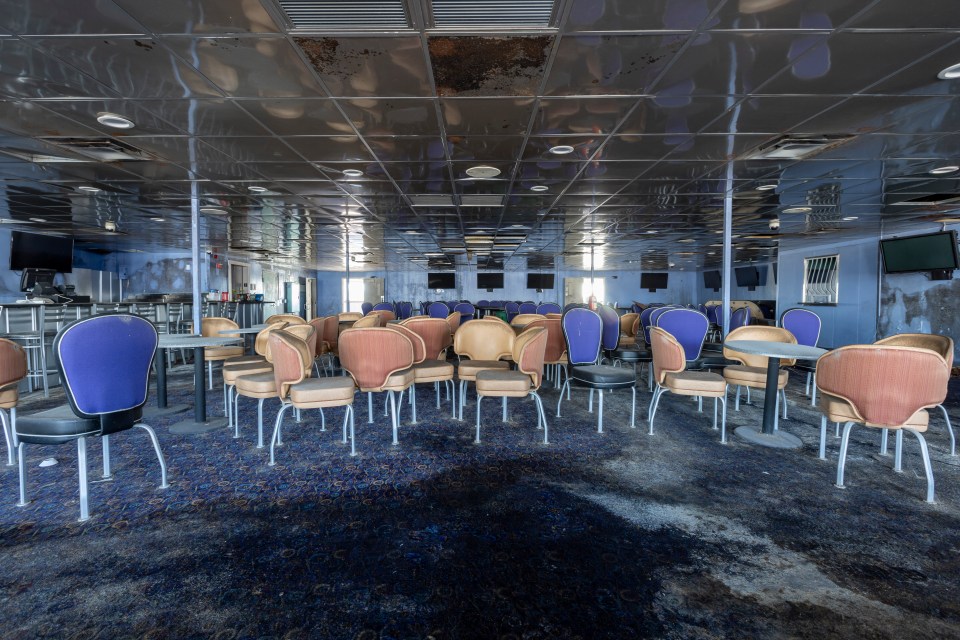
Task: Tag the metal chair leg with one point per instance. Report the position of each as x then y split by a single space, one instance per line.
844 443
476 439
8 436
953 441
276 431
23 476
504 403
633 409
413 403
353 449
543 416
823 438
723 419
82 472
369 407
884 433
156 448
654 403
926 463
105 444
898 452
396 422
260 423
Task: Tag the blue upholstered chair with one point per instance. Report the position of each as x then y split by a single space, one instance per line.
610 333
385 306
583 332
438 310
466 311
512 309
105 364
688 327
805 326
528 307
549 307
366 308
739 318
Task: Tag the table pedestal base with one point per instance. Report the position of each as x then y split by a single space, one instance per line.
192 427
777 440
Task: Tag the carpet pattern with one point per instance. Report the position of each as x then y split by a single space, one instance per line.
613 535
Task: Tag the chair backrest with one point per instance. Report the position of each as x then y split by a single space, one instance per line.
289 318
372 320
758 332
740 318
714 315
308 334
885 384
318 325
386 315
627 321
803 324
419 346
688 327
454 320
438 310
105 362
555 344
940 344
211 327
434 332
373 354
645 322
484 340
610 337
466 311
483 303
523 319
582 330
260 343
346 316
702 308
366 308
13 362
512 309
528 352
527 307
406 310
657 312
549 307
668 354
292 360
385 306
331 330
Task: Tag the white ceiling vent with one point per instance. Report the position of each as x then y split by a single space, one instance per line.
449 14
345 15
432 200
791 147
481 200
101 149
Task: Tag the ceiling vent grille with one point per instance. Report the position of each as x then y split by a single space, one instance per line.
345 15
492 13
481 200
101 149
431 200
796 147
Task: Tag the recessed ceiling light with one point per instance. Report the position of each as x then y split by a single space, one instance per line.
766 187
686 240
652 231
561 150
88 189
353 173
255 189
711 253
950 73
539 187
38 219
483 171
158 219
848 218
939 171
114 120
213 211
798 210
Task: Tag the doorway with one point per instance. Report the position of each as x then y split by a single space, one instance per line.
361 290
239 279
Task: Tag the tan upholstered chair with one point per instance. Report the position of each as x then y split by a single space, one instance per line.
669 373
211 328
435 333
523 319
379 359
555 315
752 370
882 386
454 320
941 345
372 320
349 316
528 350
289 318
385 316
484 342
246 366
628 333
254 382
291 357
13 369
555 354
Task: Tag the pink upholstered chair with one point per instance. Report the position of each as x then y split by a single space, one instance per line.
885 387
435 333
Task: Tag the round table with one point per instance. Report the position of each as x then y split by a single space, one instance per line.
774 351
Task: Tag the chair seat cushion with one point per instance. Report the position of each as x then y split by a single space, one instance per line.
696 383
400 380
231 374
55 426
468 369
221 353
627 340
752 376
10 395
601 376
499 382
239 360
257 385
315 393
839 410
433 371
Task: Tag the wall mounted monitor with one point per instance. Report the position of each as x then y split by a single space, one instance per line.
441 281
539 281
928 252
712 280
653 281
748 277
35 251
492 280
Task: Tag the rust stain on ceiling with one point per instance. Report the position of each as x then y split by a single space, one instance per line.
480 65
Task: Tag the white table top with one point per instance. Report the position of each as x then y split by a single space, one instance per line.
257 328
175 341
775 349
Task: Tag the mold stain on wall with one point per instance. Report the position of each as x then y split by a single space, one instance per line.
910 303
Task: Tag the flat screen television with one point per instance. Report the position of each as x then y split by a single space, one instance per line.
35 251
712 280
539 281
653 281
928 252
747 277
493 280
441 281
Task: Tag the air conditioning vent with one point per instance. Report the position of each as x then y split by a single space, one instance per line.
308 16
101 149
432 200
796 147
481 200
492 13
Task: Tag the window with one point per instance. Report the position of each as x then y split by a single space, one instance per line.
821 278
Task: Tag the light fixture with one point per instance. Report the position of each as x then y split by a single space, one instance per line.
158 219
38 219
353 173
686 240
950 73
88 188
115 121
110 225
652 231
561 150
483 171
256 189
849 218
539 187
798 210
213 211
767 187
939 171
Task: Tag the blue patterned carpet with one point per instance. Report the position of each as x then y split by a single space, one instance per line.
613 535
